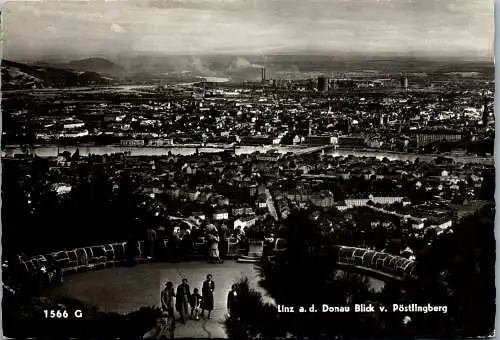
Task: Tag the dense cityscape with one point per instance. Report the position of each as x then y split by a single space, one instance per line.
391 170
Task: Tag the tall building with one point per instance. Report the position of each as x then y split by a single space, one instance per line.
322 84
333 84
263 74
381 120
404 83
486 112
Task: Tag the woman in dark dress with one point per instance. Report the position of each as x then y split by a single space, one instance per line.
208 296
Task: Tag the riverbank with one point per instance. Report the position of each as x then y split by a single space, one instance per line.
191 149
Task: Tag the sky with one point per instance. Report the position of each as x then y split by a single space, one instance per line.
127 27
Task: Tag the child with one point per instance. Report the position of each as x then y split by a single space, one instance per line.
195 304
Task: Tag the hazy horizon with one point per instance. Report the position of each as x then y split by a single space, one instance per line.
66 30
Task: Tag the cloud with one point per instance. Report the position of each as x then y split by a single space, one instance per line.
117 28
249 26
199 4
243 63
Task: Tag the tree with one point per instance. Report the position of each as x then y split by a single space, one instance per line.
306 256
255 317
457 271
35 220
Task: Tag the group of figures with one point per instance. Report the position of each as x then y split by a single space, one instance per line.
193 304
185 300
180 244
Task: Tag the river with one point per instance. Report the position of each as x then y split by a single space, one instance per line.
53 150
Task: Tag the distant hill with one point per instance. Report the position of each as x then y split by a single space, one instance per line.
98 65
188 68
241 67
22 76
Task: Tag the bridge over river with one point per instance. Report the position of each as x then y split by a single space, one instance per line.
54 150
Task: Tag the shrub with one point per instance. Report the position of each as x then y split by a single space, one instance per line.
25 317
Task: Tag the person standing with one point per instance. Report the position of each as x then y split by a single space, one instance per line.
195 304
214 249
185 245
182 299
207 291
167 298
175 244
232 302
150 243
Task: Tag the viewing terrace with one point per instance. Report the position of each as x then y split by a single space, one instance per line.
99 257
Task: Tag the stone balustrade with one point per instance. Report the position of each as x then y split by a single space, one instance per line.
109 255
386 263
86 258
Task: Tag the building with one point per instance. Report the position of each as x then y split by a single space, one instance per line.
257 140
320 140
439 224
74 134
132 142
427 137
221 215
238 211
361 202
161 142
61 188
243 210
71 124
245 222
404 83
383 120
486 113
297 140
323 200
299 196
322 84
239 189
268 157
351 142
261 202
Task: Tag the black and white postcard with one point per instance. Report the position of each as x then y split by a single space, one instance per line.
248 169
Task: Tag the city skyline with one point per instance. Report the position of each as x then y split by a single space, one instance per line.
197 27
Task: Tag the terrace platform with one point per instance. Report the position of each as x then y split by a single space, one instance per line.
125 289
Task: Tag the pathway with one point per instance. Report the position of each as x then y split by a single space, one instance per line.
125 289
270 204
